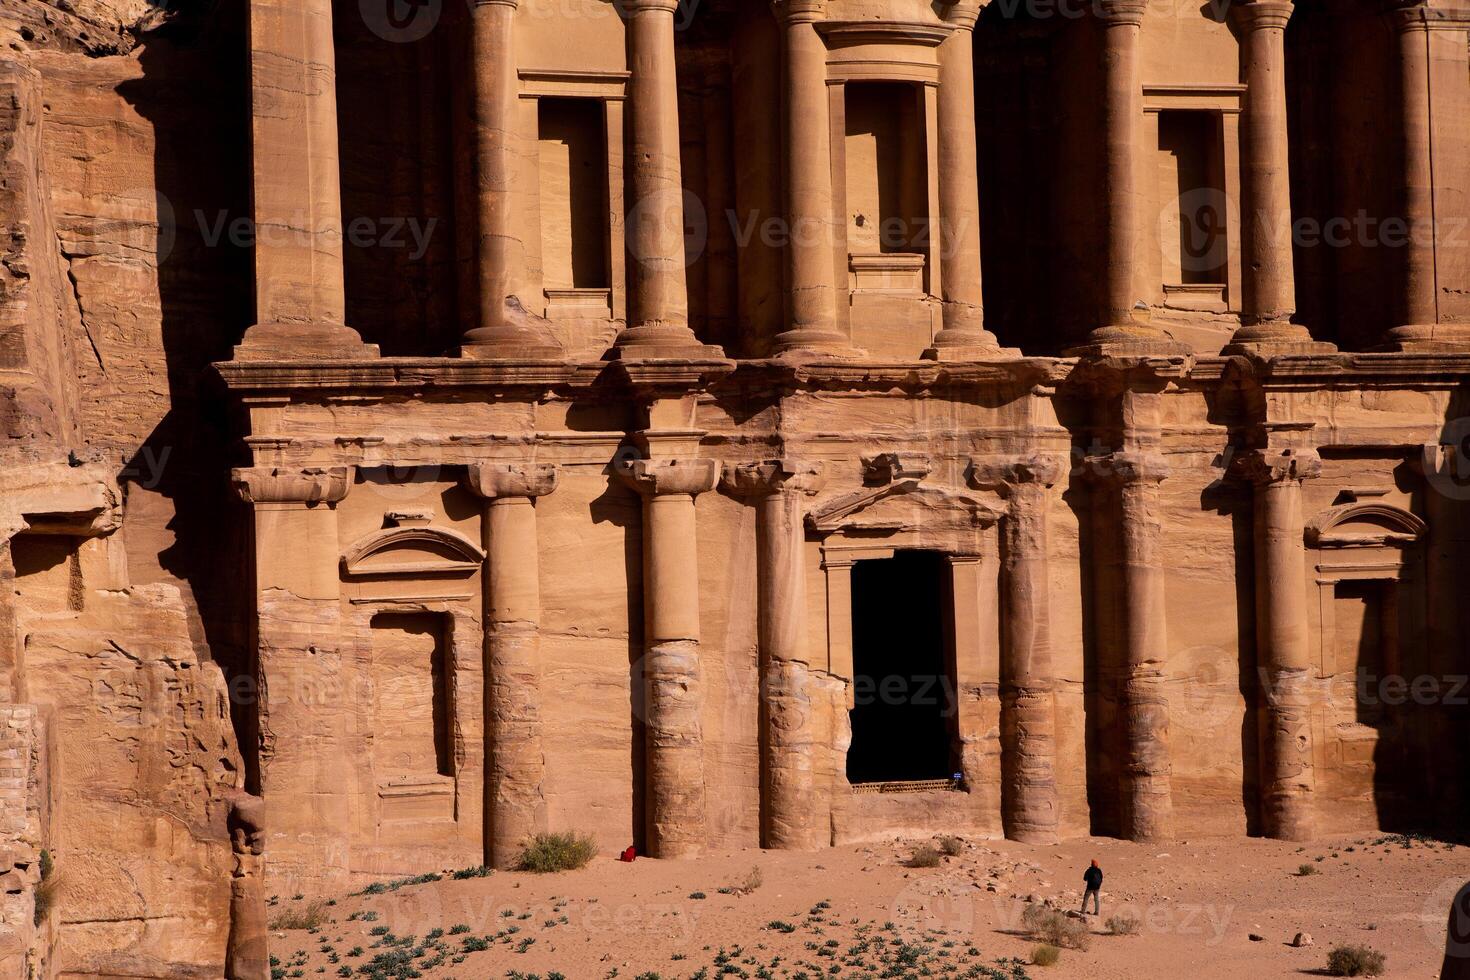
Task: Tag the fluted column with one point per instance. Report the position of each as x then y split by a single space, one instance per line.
515 804
1147 797
1123 330
1419 324
658 319
788 817
300 301
964 335
1269 278
674 755
505 329
1029 808
1281 639
812 298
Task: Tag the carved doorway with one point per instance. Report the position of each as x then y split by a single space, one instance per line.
903 709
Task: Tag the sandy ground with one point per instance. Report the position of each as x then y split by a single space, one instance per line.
859 911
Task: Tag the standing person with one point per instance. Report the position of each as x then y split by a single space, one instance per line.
1093 877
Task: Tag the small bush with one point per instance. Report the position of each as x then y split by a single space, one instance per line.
47 888
1045 955
547 853
1356 961
696 895
951 846
478 871
1054 927
310 916
1122 925
750 883
1307 870
924 857
780 926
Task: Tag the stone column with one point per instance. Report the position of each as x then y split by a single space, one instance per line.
514 802
307 740
658 320
247 955
505 329
674 759
789 819
1029 809
1147 798
1122 331
300 303
812 288
964 335
1419 313
1284 660
1270 286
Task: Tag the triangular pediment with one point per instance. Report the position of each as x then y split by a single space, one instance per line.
904 505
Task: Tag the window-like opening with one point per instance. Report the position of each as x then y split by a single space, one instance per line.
1191 167
413 710
887 176
573 157
48 575
903 690
1367 637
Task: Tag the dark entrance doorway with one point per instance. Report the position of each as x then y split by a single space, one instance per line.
903 687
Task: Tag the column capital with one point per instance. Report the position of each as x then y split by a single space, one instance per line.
668 477
1265 467
512 4
1426 15
310 485
799 11
1258 15
1126 467
1006 476
1121 13
775 476
495 480
649 6
893 467
962 14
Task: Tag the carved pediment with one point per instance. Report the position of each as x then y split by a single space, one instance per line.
1365 525
904 506
412 551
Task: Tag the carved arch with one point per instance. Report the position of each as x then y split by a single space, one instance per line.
412 551
1365 524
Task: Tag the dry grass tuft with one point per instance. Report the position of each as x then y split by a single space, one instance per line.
547 853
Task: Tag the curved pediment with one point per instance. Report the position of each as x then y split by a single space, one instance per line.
1363 525
412 551
903 506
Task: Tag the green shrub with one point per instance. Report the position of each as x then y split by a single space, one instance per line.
1045 955
780 926
47 888
696 895
1122 925
1356 961
1054 927
546 853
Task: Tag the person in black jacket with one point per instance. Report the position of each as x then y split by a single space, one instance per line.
1093 877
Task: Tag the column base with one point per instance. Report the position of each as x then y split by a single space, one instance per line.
303 342
661 340
1429 337
1274 338
970 352
815 341
1132 339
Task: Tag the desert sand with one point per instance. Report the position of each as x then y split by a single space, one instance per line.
859 910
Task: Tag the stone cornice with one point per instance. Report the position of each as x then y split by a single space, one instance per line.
311 485
497 480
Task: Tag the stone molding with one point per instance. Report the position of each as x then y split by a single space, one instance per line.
775 476
1126 467
962 14
635 7
1420 15
1264 467
512 4
311 485
799 11
896 467
666 477
495 480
